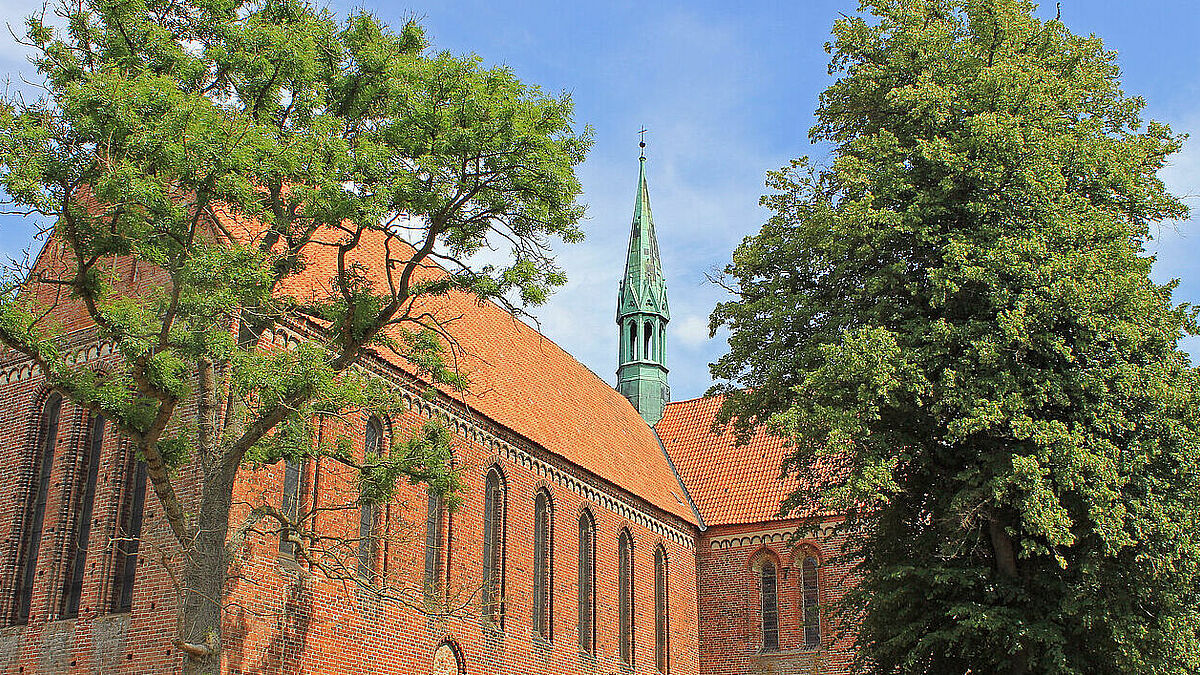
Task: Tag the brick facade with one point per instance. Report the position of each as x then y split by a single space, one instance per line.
727 563
287 618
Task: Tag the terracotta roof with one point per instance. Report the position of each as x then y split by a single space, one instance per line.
729 483
522 380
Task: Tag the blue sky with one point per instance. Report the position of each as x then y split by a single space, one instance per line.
727 91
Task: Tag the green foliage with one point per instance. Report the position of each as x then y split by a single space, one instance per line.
326 132
958 311
421 457
196 157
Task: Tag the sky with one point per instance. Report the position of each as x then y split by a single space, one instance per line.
727 91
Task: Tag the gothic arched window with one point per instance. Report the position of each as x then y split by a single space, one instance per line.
633 340
494 507
81 528
543 565
625 592
290 504
648 334
769 595
35 509
661 628
132 500
435 518
810 599
368 540
587 582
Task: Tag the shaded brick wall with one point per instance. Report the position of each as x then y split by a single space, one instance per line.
98 639
730 602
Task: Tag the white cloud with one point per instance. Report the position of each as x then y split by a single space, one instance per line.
692 331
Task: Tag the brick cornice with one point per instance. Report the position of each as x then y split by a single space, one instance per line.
772 536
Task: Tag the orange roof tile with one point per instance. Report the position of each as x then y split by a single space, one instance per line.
522 380
729 483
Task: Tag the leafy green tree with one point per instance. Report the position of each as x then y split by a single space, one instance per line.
158 114
958 312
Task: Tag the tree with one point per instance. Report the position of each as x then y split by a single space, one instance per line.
958 311
163 121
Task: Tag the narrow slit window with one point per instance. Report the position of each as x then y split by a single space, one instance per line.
129 532
290 505
810 595
543 566
35 509
81 529
587 583
625 592
435 516
661 627
770 607
368 539
492 593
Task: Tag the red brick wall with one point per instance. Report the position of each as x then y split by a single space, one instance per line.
317 625
97 640
285 619
730 602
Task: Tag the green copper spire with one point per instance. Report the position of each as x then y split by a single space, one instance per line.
642 314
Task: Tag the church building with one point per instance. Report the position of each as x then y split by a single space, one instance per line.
603 530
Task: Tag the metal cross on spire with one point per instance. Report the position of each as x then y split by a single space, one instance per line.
642 143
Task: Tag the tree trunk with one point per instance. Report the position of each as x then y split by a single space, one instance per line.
205 565
1002 546
1006 564
205 569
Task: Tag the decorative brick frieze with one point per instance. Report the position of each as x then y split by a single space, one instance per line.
776 536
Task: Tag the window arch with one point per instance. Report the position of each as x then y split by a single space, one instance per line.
543 565
129 532
587 582
35 508
768 594
494 520
81 527
625 593
290 503
661 627
368 539
447 660
648 334
810 602
435 518
633 340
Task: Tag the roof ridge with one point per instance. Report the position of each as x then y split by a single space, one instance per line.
697 398
683 486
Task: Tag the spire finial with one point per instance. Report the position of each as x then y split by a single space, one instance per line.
642 143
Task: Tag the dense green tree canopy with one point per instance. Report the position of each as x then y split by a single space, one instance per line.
959 307
156 116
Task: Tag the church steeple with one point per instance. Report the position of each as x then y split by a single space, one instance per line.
642 314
